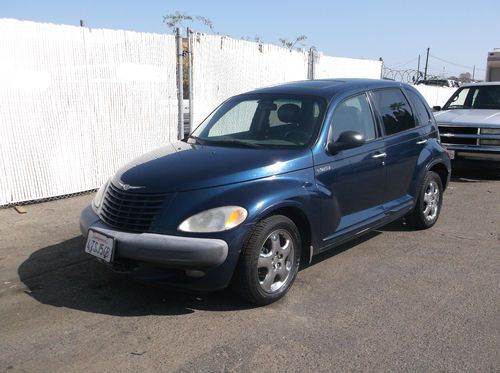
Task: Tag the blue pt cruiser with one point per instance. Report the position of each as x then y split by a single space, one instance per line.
270 179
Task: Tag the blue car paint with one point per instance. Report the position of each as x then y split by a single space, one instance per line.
180 166
339 195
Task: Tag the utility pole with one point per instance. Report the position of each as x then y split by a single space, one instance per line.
418 70
426 64
473 72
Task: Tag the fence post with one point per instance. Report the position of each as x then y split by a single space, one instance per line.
190 78
309 65
312 61
180 91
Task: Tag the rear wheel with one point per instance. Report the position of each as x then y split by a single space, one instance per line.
428 206
269 262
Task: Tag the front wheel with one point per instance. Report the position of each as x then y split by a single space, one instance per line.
269 262
429 202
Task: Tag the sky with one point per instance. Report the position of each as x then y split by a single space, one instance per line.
458 33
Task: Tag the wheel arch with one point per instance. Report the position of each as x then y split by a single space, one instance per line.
300 219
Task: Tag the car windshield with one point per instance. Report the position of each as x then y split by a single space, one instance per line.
480 97
263 121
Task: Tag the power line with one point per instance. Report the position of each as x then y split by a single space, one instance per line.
455 64
405 63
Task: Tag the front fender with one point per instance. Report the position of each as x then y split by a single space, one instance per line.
282 192
259 197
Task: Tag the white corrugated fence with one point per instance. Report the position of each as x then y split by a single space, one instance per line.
435 96
223 67
76 104
341 67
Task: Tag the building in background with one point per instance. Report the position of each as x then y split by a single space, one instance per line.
493 66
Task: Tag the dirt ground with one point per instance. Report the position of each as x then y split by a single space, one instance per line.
395 300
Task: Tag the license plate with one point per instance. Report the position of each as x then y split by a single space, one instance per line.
100 245
451 153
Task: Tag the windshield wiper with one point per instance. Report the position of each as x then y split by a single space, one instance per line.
235 142
224 142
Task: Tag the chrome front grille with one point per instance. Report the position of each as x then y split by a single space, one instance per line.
458 135
470 135
131 211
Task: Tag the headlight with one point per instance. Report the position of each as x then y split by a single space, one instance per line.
96 202
490 131
214 220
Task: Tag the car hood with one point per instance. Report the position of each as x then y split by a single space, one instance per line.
180 167
469 116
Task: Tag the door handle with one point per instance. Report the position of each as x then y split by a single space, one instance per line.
379 155
421 142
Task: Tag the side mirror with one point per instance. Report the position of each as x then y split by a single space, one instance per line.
346 140
436 108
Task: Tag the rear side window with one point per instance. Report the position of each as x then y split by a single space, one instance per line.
353 114
422 115
395 111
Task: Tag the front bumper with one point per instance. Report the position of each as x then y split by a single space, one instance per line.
475 156
475 152
168 251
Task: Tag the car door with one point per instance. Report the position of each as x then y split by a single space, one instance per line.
352 179
404 141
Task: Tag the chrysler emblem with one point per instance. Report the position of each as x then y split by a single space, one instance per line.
128 187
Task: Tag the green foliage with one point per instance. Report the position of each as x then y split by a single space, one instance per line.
206 21
290 44
177 19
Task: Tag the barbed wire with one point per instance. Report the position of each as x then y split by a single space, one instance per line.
406 75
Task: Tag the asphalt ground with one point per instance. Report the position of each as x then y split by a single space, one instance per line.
395 300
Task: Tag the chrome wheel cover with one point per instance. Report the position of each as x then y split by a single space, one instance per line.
276 261
431 201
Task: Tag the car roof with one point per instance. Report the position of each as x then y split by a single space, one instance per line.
328 88
479 84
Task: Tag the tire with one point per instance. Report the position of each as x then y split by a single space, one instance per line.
269 262
430 199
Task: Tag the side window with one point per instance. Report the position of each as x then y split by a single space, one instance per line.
354 114
394 109
422 115
237 119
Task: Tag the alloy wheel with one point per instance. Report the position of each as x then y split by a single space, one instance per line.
431 201
276 261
